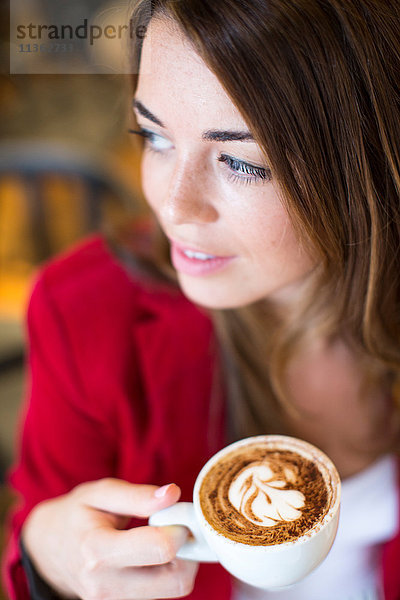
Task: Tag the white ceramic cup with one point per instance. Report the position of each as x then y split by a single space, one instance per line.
266 567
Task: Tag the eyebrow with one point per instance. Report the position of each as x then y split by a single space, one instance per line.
211 135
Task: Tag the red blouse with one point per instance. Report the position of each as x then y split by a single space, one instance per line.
121 384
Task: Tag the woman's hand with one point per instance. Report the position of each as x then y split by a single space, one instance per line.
78 545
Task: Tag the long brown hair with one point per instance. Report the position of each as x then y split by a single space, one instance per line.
317 81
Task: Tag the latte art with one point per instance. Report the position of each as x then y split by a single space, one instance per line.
262 495
262 498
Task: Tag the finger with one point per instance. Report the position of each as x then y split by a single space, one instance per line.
127 499
141 546
174 580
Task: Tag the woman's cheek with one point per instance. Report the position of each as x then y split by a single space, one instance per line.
156 175
150 183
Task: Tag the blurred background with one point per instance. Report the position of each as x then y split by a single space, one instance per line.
68 168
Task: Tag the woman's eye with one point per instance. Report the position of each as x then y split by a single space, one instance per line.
243 172
152 141
239 170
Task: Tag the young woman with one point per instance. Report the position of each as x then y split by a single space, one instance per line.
271 164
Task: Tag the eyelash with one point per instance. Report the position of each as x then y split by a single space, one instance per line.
254 174
251 173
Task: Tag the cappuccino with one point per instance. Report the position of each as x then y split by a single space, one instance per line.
266 508
267 493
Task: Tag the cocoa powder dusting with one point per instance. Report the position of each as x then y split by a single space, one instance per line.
223 517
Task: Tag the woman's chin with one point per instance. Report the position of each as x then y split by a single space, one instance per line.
212 295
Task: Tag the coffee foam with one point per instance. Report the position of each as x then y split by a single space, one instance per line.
263 499
260 495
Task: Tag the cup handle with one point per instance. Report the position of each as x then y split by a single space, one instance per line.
182 513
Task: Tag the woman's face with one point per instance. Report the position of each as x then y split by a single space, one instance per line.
208 183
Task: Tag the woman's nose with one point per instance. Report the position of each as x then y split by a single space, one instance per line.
187 200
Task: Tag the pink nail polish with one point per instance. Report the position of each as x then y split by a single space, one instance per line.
160 493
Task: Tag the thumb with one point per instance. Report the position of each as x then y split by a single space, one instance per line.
127 499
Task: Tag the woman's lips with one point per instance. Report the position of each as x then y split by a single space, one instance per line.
196 262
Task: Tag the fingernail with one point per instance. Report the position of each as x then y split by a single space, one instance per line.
161 492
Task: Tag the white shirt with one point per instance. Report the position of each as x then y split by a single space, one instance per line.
368 518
